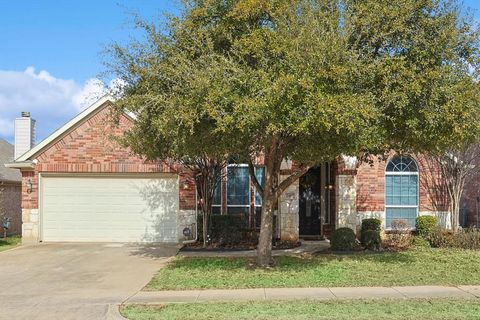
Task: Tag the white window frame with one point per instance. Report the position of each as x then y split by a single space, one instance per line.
255 189
220 184
226 188
401 173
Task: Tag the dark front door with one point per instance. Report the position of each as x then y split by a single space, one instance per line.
309 210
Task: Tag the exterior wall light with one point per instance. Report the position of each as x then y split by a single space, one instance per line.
29 185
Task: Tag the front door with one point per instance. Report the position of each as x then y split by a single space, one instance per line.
309 201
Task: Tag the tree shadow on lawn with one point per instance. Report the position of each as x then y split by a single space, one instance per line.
290 263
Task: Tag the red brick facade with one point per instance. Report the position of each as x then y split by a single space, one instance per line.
90 147
371 186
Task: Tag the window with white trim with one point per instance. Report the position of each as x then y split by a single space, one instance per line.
238 189
401 191
260 175
217 199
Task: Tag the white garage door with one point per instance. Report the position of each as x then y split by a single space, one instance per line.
109 209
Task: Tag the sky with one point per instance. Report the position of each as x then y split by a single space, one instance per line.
50 54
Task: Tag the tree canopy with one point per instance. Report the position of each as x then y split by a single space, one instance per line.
304 80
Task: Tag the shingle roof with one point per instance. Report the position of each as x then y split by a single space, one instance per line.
6 156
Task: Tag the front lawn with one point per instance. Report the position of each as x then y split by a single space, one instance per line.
346 309
10 242
421 266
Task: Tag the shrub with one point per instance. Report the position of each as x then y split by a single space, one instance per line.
418 241
400 235
370 225
343 239
371 239
426 225
227 229
441 238
468 239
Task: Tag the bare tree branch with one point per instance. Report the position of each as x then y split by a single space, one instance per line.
291 179
251 170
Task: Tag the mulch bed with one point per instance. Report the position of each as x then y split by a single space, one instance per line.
198 246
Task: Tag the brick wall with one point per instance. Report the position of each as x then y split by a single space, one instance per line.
371 186
92 148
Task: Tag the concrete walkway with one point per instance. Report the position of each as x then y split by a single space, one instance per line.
413 292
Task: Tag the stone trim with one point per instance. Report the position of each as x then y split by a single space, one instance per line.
288 206
346 201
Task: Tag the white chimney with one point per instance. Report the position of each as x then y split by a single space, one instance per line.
24 134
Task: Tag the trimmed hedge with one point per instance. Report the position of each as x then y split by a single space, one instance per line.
343 239
426 225
225 230
371 224
371 239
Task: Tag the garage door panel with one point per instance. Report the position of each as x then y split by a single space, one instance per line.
109 209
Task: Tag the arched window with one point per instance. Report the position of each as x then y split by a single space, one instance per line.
401 191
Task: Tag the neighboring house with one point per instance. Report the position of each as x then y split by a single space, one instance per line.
10 191
80 185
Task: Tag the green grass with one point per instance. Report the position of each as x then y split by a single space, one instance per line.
422 266
10 242
291 310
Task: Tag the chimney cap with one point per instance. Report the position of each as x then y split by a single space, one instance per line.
25 114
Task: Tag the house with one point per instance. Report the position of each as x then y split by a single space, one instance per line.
80 184
10 191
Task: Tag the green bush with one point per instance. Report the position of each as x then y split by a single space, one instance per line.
343 239
426 226
370 225
418 241
371 239
228 229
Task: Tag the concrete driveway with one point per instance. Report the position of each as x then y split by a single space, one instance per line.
75 281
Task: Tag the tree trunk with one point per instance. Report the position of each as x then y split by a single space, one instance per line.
273 159
264 250
455 210
205 228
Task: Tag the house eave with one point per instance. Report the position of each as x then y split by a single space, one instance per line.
23 165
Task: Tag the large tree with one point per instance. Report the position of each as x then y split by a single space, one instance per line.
302 80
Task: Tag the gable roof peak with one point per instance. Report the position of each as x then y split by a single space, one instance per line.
65 128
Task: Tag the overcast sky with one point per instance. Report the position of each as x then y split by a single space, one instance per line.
50 54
